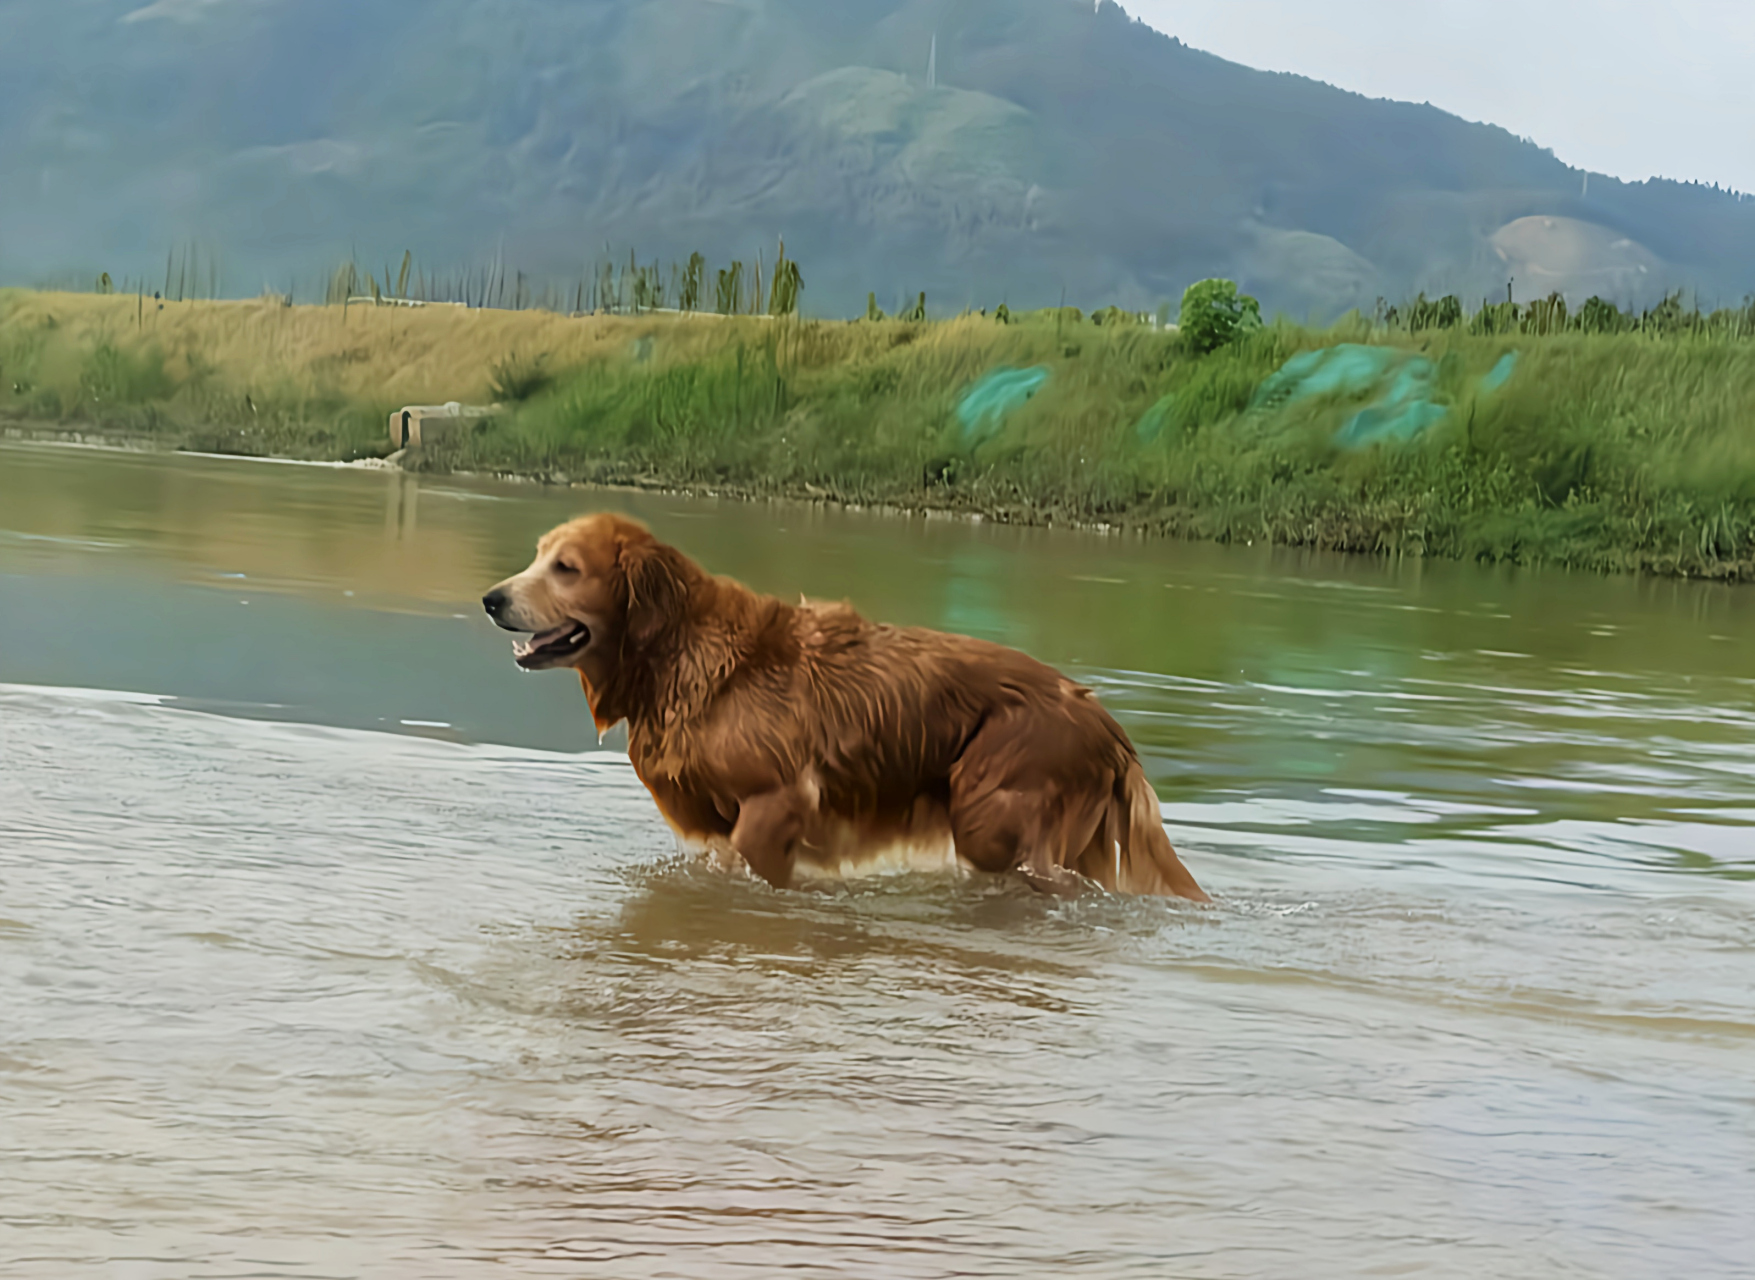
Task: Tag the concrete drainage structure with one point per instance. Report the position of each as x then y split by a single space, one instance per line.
413 425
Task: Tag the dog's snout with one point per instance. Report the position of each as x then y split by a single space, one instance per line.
495 602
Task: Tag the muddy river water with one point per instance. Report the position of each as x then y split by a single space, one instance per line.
332 946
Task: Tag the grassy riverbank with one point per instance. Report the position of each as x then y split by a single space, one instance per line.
1603 451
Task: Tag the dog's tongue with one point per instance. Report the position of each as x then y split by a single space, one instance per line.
524 648
561 632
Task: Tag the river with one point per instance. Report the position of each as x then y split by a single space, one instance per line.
333 946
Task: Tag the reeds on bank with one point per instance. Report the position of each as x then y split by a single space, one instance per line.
1614 447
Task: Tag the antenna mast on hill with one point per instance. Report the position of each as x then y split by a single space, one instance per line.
932 64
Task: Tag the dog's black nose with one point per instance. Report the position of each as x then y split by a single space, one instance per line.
495 603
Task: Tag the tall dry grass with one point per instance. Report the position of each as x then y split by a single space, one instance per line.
1630 450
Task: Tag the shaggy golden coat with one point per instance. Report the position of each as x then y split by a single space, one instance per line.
804 738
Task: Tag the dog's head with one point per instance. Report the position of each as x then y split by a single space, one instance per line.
599 587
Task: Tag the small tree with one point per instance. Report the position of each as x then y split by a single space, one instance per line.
1669 317
730 290
344 282
1599 315
1495 318
607 298
691 283
787 283
1214 314
1546 315
1435 313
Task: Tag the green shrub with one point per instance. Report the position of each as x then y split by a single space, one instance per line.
517 378
112 376
1114 316
1437 313
729 292
1546 316
1497 318
1214 314
787 284
1599 315
1670 318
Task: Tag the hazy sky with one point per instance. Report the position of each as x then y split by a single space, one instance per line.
1632 88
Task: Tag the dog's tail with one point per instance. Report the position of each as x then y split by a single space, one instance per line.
1136 856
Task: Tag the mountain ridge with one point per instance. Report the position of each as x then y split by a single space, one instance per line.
1064 150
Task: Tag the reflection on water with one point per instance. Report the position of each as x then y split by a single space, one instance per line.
303 989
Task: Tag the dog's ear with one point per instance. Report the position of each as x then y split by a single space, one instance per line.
657 587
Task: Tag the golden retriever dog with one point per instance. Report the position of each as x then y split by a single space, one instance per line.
808 741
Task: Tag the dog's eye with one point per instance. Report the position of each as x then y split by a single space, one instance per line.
566 570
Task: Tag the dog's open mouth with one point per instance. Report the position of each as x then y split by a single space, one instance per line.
548 647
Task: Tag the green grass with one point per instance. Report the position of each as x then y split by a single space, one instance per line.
1608 453
1625 451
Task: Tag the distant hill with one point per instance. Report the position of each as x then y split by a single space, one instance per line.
977 149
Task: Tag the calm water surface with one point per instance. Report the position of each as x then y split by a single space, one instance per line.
331 946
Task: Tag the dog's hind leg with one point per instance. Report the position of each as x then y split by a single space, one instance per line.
1015 808
766 833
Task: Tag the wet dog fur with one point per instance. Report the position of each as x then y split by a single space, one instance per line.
807 740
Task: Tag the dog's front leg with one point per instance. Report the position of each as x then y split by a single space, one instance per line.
1056 882
766 834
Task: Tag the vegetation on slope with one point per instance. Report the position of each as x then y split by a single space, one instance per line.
1631 448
